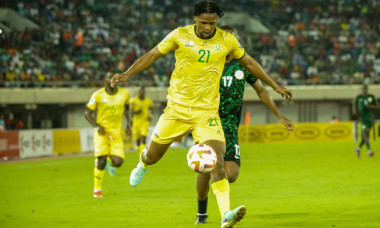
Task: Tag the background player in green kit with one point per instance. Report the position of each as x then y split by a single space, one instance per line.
365 106
232 87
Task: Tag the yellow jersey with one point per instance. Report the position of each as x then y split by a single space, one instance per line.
199 65
143 105
109 108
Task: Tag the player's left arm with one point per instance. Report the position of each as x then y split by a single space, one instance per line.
268 101
254 68
128 118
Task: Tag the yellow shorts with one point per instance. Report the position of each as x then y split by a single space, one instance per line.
140 129
109 144
177 120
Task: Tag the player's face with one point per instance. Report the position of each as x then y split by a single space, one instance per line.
107 82
206 24
142 92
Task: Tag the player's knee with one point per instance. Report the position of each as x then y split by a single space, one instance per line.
117 161
232 177
232 170
101 162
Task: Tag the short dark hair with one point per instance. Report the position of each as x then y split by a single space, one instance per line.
207 7
227 27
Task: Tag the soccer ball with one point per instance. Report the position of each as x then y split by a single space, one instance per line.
201 158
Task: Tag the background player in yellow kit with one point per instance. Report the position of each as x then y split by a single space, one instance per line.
109 104
141 108
193 98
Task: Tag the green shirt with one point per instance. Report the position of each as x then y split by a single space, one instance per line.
362 102
232 85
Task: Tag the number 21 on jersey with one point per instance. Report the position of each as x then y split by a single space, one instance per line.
204 56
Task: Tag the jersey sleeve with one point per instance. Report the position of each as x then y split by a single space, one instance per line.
237 51
250 78
93 102
169 43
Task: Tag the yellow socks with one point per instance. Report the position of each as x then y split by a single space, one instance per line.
98 178
140 148
222 193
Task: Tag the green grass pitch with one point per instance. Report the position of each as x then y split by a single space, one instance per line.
282 185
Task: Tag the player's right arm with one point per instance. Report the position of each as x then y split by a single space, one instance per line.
89 114
164 47
265 97
141 64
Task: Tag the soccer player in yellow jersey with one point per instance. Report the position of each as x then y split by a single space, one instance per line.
141 108
109 104
193 99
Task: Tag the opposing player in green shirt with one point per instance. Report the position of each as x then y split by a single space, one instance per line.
365 105
232 85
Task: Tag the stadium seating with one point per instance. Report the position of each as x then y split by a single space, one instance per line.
309 42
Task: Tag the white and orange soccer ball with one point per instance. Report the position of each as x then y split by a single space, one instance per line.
201 158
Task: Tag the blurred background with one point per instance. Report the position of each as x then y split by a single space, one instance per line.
54 54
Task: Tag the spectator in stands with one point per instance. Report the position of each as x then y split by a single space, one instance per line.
343 35
2 123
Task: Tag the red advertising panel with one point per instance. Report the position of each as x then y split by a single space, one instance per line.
9 144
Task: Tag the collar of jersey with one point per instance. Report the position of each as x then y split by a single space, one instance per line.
195 27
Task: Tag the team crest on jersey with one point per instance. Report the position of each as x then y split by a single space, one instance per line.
239 74
218 48
189 43
105 101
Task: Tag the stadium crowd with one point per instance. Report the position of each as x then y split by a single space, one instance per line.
310 42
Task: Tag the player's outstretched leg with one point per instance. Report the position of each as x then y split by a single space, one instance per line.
149 156
231 217
137 174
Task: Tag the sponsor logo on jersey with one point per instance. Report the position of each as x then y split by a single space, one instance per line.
189 43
